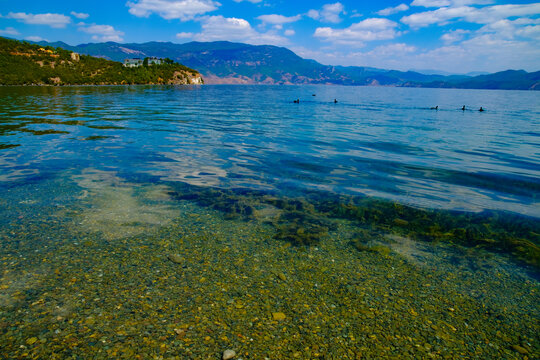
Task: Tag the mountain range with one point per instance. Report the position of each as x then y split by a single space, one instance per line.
224 62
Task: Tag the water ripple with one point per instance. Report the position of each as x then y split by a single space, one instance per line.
383 142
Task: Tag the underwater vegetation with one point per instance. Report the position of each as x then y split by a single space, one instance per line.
305 220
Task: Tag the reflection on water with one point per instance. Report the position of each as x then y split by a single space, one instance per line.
177 222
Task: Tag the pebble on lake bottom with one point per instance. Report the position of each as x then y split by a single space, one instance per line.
175 258
228 354
83 295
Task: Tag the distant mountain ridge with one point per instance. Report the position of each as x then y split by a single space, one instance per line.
224 62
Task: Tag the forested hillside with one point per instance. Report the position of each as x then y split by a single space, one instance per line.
22 63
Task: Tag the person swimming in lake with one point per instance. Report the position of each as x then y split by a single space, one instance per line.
463 108
481 109
335 101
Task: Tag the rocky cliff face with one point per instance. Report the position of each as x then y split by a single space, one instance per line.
184 78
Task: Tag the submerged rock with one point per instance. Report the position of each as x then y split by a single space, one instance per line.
520 349
175 258
228 354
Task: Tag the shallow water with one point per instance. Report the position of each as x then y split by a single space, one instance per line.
163 222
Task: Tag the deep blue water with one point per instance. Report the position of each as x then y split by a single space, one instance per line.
375 141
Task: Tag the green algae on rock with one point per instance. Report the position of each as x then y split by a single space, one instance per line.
305 220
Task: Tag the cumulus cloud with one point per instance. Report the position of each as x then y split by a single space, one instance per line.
172 9
357 34
329 13
9 31
216 28
454 36
484 15
80 15
52 20
511 29
278 19
103 32
393 10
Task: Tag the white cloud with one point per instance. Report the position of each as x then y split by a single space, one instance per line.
393 10
486 52
439 16
216 28
329 13
184 35
80 15
172 9
289 32
35 38
278 19
356 34
441 3
52 20
9 31
314 14
396 49
482 52
103 33
484 15
454 36
532 31
385 56
510 29
430 3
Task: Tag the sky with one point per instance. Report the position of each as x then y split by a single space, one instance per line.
455 36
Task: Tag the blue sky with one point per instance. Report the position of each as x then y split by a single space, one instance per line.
457 36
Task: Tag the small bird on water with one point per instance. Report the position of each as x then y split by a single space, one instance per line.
435 108
297 101
335 101
481 109
463 108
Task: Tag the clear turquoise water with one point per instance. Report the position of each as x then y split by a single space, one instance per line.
157 222
382 142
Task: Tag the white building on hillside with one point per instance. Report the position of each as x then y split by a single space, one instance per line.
133 62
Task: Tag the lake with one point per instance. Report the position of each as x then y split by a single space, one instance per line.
162 222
